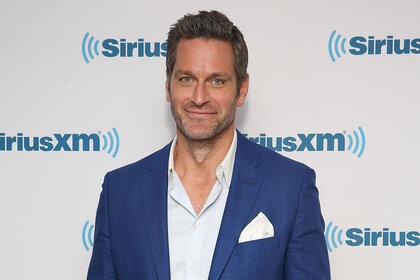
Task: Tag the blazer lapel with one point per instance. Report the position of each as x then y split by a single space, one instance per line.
154 197
245 185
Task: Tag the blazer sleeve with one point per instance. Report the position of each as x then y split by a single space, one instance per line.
306 255
101 264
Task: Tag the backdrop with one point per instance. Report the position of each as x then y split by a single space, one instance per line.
334 84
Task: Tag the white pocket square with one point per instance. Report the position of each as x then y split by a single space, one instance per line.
260 227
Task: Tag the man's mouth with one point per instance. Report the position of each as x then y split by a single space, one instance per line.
200 113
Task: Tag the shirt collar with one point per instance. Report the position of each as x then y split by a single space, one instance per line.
225 168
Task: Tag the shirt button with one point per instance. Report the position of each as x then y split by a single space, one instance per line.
192 266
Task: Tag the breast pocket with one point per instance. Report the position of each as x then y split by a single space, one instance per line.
265 243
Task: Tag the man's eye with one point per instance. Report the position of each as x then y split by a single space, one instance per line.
186 79
218 82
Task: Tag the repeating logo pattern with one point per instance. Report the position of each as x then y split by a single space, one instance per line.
367 237
362 142
109 138
88 47
371 45
336 45
111 47
67 142
87 235
312 142
333 236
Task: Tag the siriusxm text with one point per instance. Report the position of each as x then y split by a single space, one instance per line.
390 45
55 142
384 237
303 142
139 48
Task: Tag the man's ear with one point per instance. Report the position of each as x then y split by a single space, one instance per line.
243 91
168 96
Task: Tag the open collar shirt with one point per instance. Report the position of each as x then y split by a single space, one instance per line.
192 238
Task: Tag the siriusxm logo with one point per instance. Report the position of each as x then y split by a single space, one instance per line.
62 142
87 235
314 142
360 45
122 48
367 237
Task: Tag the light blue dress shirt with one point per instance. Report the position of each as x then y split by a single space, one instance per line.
192 238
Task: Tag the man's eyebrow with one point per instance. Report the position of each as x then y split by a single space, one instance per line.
212 75
183 72
220 74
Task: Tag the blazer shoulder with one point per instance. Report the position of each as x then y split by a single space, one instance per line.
282 172
128 171
275 161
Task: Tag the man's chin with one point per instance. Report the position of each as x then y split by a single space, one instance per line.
199 134
202 134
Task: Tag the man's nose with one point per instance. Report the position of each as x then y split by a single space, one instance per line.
201 94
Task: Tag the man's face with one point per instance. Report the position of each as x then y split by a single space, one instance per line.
203 92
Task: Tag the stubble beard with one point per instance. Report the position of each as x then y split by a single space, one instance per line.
213 133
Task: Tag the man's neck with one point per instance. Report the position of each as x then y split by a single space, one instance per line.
201 158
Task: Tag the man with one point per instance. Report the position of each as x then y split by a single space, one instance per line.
211 204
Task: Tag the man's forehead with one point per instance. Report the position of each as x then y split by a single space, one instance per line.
203 52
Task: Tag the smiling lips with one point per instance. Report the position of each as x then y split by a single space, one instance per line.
200 114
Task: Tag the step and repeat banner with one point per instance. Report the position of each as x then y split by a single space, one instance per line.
333 84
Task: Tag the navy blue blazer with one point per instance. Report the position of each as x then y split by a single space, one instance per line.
131 233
